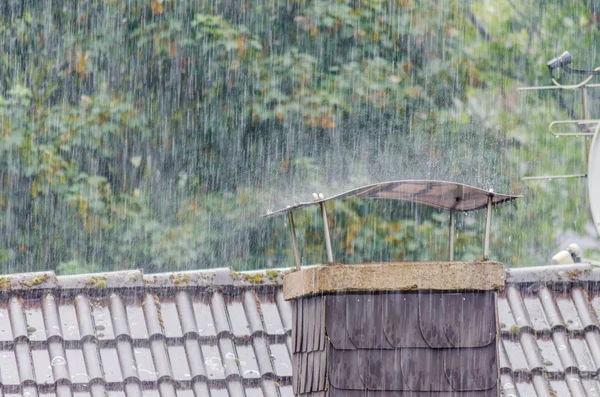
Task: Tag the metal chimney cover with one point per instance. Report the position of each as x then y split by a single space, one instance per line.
438 194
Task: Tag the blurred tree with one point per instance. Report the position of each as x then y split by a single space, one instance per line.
151 133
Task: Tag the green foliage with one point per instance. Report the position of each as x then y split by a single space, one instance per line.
153 133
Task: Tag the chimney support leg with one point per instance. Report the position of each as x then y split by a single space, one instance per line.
451 236
326 230
294 240
488 228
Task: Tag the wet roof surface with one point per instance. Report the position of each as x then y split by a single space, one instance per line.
181 334
125 334
438 194
550 332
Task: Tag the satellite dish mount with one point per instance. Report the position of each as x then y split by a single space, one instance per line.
588 128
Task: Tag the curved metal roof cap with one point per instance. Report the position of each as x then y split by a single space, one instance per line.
437 194
594 180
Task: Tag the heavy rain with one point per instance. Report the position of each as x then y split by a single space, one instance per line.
143 138
152 134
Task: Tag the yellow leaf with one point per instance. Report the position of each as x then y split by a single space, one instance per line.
327 121
241 47
34 189
157 7
81 62
172 50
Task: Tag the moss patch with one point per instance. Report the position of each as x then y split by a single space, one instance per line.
257 278
35 281
181 279
98 282
5 283
272 274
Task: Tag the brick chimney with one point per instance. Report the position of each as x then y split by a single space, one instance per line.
396 329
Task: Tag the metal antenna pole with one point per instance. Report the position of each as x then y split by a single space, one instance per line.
488 227
451 235
294 240
585 116
326 230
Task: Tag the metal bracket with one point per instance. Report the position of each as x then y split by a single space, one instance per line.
575 122
583 122
533 178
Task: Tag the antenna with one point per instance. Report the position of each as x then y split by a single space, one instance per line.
589 129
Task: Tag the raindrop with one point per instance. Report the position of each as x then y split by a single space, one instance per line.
58 360
151 373
81 374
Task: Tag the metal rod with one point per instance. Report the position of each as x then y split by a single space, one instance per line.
584 101
451 235
580 123
554 87
584 134
586 143
294 240
531 178
488 227
326 229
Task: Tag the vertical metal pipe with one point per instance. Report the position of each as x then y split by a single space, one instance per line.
585 116
488 227
294 240
584 102
326 230
451 235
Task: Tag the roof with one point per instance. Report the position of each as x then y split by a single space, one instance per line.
550 331
181 333
125 334
438 194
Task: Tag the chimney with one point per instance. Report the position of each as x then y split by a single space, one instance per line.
396 329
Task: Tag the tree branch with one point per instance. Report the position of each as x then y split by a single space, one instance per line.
480 28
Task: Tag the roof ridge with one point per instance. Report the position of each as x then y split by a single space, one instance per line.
136 278
226 276
589 271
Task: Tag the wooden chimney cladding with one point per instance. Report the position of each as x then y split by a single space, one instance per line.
394 344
